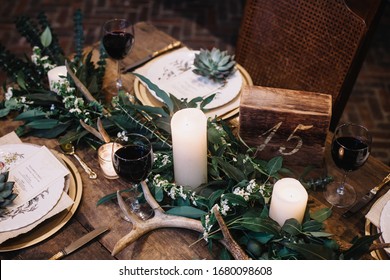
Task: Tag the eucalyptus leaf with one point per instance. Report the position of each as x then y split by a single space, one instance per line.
4 112
46 37
360 246
30 114
260 225
312 225
159 194
292 226
321 215
214 197
274 165
230 170
53 132
20 81
159 92
43 124
320 234
187 211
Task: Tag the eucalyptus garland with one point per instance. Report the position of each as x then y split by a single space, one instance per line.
239 183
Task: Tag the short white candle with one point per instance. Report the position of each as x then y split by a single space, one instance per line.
288 200
56 75
189 144
105 160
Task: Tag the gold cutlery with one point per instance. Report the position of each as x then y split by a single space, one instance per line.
79 243
142 61
69 149
366 198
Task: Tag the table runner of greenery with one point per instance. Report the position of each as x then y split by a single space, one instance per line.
239 183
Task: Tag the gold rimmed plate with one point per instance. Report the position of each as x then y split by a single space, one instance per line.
50 226
371 229
226 111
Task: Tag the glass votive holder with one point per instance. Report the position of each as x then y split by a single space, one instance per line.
105 161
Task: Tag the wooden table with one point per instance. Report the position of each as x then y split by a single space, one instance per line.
164 243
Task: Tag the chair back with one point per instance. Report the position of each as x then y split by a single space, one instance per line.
316 45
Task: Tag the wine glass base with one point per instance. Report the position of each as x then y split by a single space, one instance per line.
346 199
142 210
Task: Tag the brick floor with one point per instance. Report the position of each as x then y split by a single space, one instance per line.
204 24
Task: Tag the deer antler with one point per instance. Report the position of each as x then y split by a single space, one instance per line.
163 220
159 220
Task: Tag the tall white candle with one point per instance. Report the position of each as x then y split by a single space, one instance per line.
56 75
189 143
288 200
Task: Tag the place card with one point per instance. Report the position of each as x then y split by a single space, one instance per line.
35 174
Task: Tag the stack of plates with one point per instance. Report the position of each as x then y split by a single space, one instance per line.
378 221
29 223
384 225
173 74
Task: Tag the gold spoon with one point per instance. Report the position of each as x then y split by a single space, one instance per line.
68 149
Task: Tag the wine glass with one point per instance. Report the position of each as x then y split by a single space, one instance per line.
132 158
118 39
350 149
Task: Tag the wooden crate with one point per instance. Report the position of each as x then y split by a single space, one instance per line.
288 123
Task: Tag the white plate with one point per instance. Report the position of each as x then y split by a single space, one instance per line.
36 208
173 74
385 224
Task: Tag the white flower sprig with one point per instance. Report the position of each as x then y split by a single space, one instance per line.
40 60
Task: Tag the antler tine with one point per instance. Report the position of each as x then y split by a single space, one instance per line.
150 199
228 240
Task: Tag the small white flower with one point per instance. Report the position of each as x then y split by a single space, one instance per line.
52 107
9 93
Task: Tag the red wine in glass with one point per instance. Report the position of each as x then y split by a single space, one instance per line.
350 150
132 159
132 163
118 39
349 153
118 44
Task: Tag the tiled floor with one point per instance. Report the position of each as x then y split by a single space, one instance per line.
204 24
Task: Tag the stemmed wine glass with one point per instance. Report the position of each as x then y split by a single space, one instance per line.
132 158
118 39
350 149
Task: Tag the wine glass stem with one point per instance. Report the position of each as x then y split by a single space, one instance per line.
340 189
119 79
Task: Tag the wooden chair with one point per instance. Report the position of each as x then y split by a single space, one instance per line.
316 45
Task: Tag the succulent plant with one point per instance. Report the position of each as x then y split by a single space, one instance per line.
215 64
6 191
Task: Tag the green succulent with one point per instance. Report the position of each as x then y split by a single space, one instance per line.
6 191
215 64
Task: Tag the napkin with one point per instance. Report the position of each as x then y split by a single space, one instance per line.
375 212
63 202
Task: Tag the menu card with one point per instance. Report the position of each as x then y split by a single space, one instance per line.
35 174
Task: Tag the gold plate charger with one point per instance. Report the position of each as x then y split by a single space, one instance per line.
230 109
371 229
50 226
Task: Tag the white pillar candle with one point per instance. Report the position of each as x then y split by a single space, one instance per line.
288 200
56 75
189 143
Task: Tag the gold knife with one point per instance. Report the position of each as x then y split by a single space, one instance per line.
79 243
366 198
142 61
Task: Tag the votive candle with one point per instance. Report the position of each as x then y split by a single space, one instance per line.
288 200
56 75
189 144
105 160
